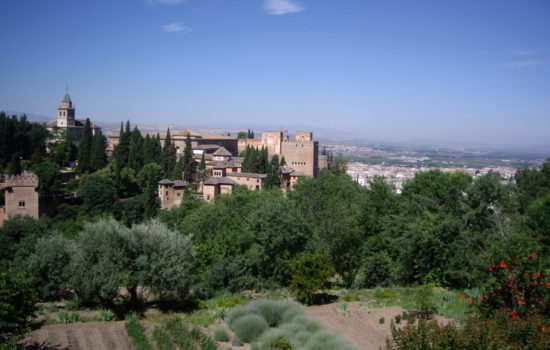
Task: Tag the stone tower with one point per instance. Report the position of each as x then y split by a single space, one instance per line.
20 196
66 112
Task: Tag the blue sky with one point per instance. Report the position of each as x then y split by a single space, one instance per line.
466 71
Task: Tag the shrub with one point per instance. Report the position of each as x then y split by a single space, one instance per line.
405 315
132 316
424 298
236 342
516 285
398 319
106 315
310 273
68 317
500 332
385 293
382 320
351 297
249 327
281 343
220 334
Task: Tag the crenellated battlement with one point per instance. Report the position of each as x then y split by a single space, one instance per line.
26 179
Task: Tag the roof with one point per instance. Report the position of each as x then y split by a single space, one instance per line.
186 132
222 151
67 98
298 173
179 183
166 182
286 169
253 175
206 147
219 181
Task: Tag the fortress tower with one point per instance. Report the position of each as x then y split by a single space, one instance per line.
66 112
20 196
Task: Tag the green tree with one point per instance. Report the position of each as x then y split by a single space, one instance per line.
168 155
47 266
98 154
85 149
273 179
49 181
98 195
189 166
310 273
122 151
136 151
202 175
17 303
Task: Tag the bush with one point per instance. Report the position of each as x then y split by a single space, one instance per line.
310 273
249 327
398 319
68 317
351 297
382 320
106 315
500 332
220 334
385 293
281 343
424 298
516 285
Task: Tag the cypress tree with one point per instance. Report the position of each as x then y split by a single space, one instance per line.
98 157
151 204
283 161
135 153
177 174
273 175
85 149
262 161
14 166
189 167
168 155
201 173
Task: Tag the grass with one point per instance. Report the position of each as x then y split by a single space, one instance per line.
106 315
447 303
137 333
68 317
176 333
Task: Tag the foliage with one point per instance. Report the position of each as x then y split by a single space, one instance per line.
68 317
20 140
109 255
517 286
17 303
188 164
18 237
500 332
98 195
106 315
424 298
281 343
47 265
137 333
168 156
220 334
85 149
309 274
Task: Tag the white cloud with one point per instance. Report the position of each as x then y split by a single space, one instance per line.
175 27
282 7
521 64
165 2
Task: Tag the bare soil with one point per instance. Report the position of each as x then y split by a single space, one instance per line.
361 326
80 336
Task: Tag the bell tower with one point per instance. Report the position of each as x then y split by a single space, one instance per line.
65 112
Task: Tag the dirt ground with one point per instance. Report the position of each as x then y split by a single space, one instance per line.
80 336
360 326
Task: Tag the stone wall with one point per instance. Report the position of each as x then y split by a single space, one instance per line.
20 195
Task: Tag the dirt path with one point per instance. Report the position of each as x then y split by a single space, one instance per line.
361 326
80 336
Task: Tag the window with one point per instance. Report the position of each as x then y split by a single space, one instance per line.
257 188
21 204
177 194
166 192
257 180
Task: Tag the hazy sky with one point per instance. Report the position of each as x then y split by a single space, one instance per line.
464 70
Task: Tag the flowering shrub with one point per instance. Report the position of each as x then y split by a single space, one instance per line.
517 286
499 332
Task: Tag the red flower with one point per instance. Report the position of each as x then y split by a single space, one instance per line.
532 256
548 284
462 296
494 294
545 329
539 275
490 268
470 302
503 264
514 314
526 274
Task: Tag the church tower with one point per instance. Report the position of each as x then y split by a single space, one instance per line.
65 112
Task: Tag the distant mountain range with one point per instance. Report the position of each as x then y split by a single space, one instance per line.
324 135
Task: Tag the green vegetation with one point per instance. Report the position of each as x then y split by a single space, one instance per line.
68 317
106 315
17 303
290 327
137 333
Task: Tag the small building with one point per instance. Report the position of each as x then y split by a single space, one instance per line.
66 120
171 193
20 196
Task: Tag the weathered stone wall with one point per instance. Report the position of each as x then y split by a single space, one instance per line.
253 184
301 156
20 195
169 196
243 143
